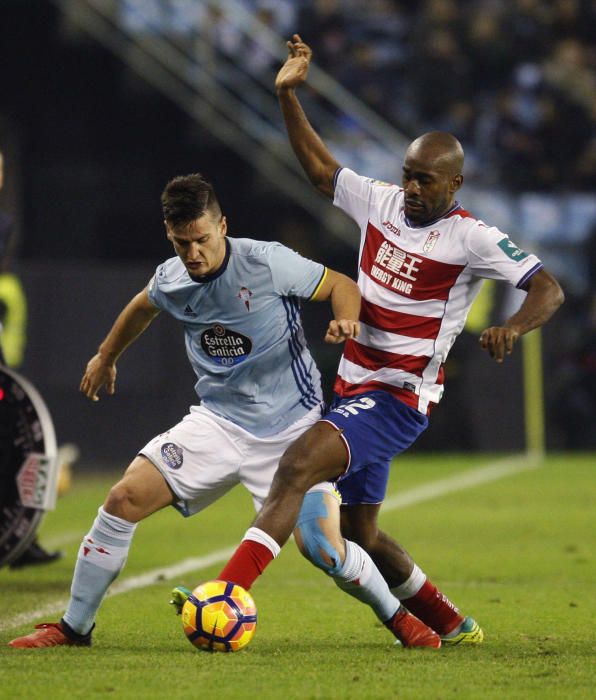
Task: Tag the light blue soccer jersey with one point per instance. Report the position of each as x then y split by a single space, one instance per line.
244 335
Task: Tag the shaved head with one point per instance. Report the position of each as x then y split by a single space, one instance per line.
432 174
441 150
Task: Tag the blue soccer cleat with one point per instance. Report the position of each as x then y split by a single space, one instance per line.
469 632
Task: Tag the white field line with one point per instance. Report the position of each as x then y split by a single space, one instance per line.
62 539
458 482
463 480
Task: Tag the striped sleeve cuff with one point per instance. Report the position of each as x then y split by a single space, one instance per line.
335 176
319 285
532 271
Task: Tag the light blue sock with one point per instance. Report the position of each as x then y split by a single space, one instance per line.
102 555
360 578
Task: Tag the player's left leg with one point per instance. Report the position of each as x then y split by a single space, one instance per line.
102 554
406 580
104 551
319 539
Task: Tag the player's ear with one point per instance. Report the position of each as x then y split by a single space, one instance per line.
168 230
223 226
456 182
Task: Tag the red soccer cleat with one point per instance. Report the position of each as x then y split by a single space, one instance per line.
49 634
411 632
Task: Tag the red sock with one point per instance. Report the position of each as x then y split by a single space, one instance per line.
247 563
434 609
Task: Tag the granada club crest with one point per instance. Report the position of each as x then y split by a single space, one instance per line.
433 237
244 295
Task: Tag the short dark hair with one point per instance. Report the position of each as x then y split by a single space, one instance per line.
186 198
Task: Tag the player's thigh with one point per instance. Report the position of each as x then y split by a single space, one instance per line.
199 458
264 454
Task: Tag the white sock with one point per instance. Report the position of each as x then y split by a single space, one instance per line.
102 555
411 586
360 578
260 536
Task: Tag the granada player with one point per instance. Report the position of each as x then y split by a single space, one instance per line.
421 263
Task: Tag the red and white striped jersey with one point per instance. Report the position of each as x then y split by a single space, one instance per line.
417 286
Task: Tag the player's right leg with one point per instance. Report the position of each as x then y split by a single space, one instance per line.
316 456
103 553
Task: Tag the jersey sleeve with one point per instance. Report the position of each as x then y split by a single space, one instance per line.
357 195
493 255
353 194
154 293
292 274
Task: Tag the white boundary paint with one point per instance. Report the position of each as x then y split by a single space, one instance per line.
435 489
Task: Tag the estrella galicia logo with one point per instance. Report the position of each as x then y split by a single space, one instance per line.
224 346
172 455
511 250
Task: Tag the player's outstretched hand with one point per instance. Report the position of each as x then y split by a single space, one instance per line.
295 69
338 331
499 341
98 373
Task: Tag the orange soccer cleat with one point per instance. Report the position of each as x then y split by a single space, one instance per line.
411 632
49 634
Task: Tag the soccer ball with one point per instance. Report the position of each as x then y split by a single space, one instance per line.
219 616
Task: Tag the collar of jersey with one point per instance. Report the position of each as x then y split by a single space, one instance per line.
220 270
454 208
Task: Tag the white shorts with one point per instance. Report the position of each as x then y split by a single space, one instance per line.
205 455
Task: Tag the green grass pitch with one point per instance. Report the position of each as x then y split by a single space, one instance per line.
517 553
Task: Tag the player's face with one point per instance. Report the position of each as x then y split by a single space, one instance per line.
429 189
201 245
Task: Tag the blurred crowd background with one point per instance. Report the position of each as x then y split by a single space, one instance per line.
89 143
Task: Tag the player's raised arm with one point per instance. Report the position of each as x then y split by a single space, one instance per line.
318 163
345 304
101 368
544 298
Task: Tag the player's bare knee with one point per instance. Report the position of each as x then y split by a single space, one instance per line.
119 502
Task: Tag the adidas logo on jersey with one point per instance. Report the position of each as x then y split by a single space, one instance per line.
188 311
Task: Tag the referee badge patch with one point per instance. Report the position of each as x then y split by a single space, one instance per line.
172 455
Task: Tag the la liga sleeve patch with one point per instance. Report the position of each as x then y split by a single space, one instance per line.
511 250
